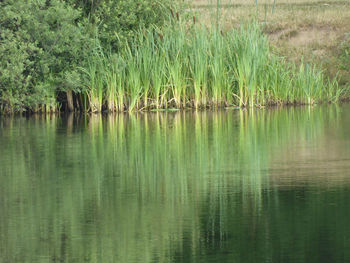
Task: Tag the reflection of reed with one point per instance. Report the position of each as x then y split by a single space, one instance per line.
316 153
134 188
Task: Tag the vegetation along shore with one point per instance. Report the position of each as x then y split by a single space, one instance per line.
117 56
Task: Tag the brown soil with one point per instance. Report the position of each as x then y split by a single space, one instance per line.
307 36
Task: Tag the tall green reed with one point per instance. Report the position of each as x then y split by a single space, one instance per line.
95 82
197 67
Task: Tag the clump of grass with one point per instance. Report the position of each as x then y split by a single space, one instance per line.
198 68
95 83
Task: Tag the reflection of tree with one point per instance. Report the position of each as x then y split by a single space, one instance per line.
162 187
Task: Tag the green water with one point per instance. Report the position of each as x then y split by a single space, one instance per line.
234 186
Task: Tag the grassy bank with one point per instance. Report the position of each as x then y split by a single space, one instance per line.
194 67
197 57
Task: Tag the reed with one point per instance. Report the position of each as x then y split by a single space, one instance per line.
219 77
111 80
94 85
175 72
181 67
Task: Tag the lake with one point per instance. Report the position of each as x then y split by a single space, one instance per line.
267 185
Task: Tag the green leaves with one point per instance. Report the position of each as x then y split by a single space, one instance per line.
40 45
119 20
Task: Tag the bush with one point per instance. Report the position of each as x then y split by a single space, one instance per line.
119 20
41 44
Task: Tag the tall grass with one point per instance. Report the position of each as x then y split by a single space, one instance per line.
193 67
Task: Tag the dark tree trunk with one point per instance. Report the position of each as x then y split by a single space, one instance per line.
70 105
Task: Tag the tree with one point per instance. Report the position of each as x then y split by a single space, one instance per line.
41 45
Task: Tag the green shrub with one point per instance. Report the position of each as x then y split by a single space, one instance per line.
118 20
40 47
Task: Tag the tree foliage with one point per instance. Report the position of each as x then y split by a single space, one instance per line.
118 25
41 44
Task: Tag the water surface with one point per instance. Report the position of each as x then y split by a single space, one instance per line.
234 186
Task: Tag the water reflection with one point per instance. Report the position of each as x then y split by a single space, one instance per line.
235 186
